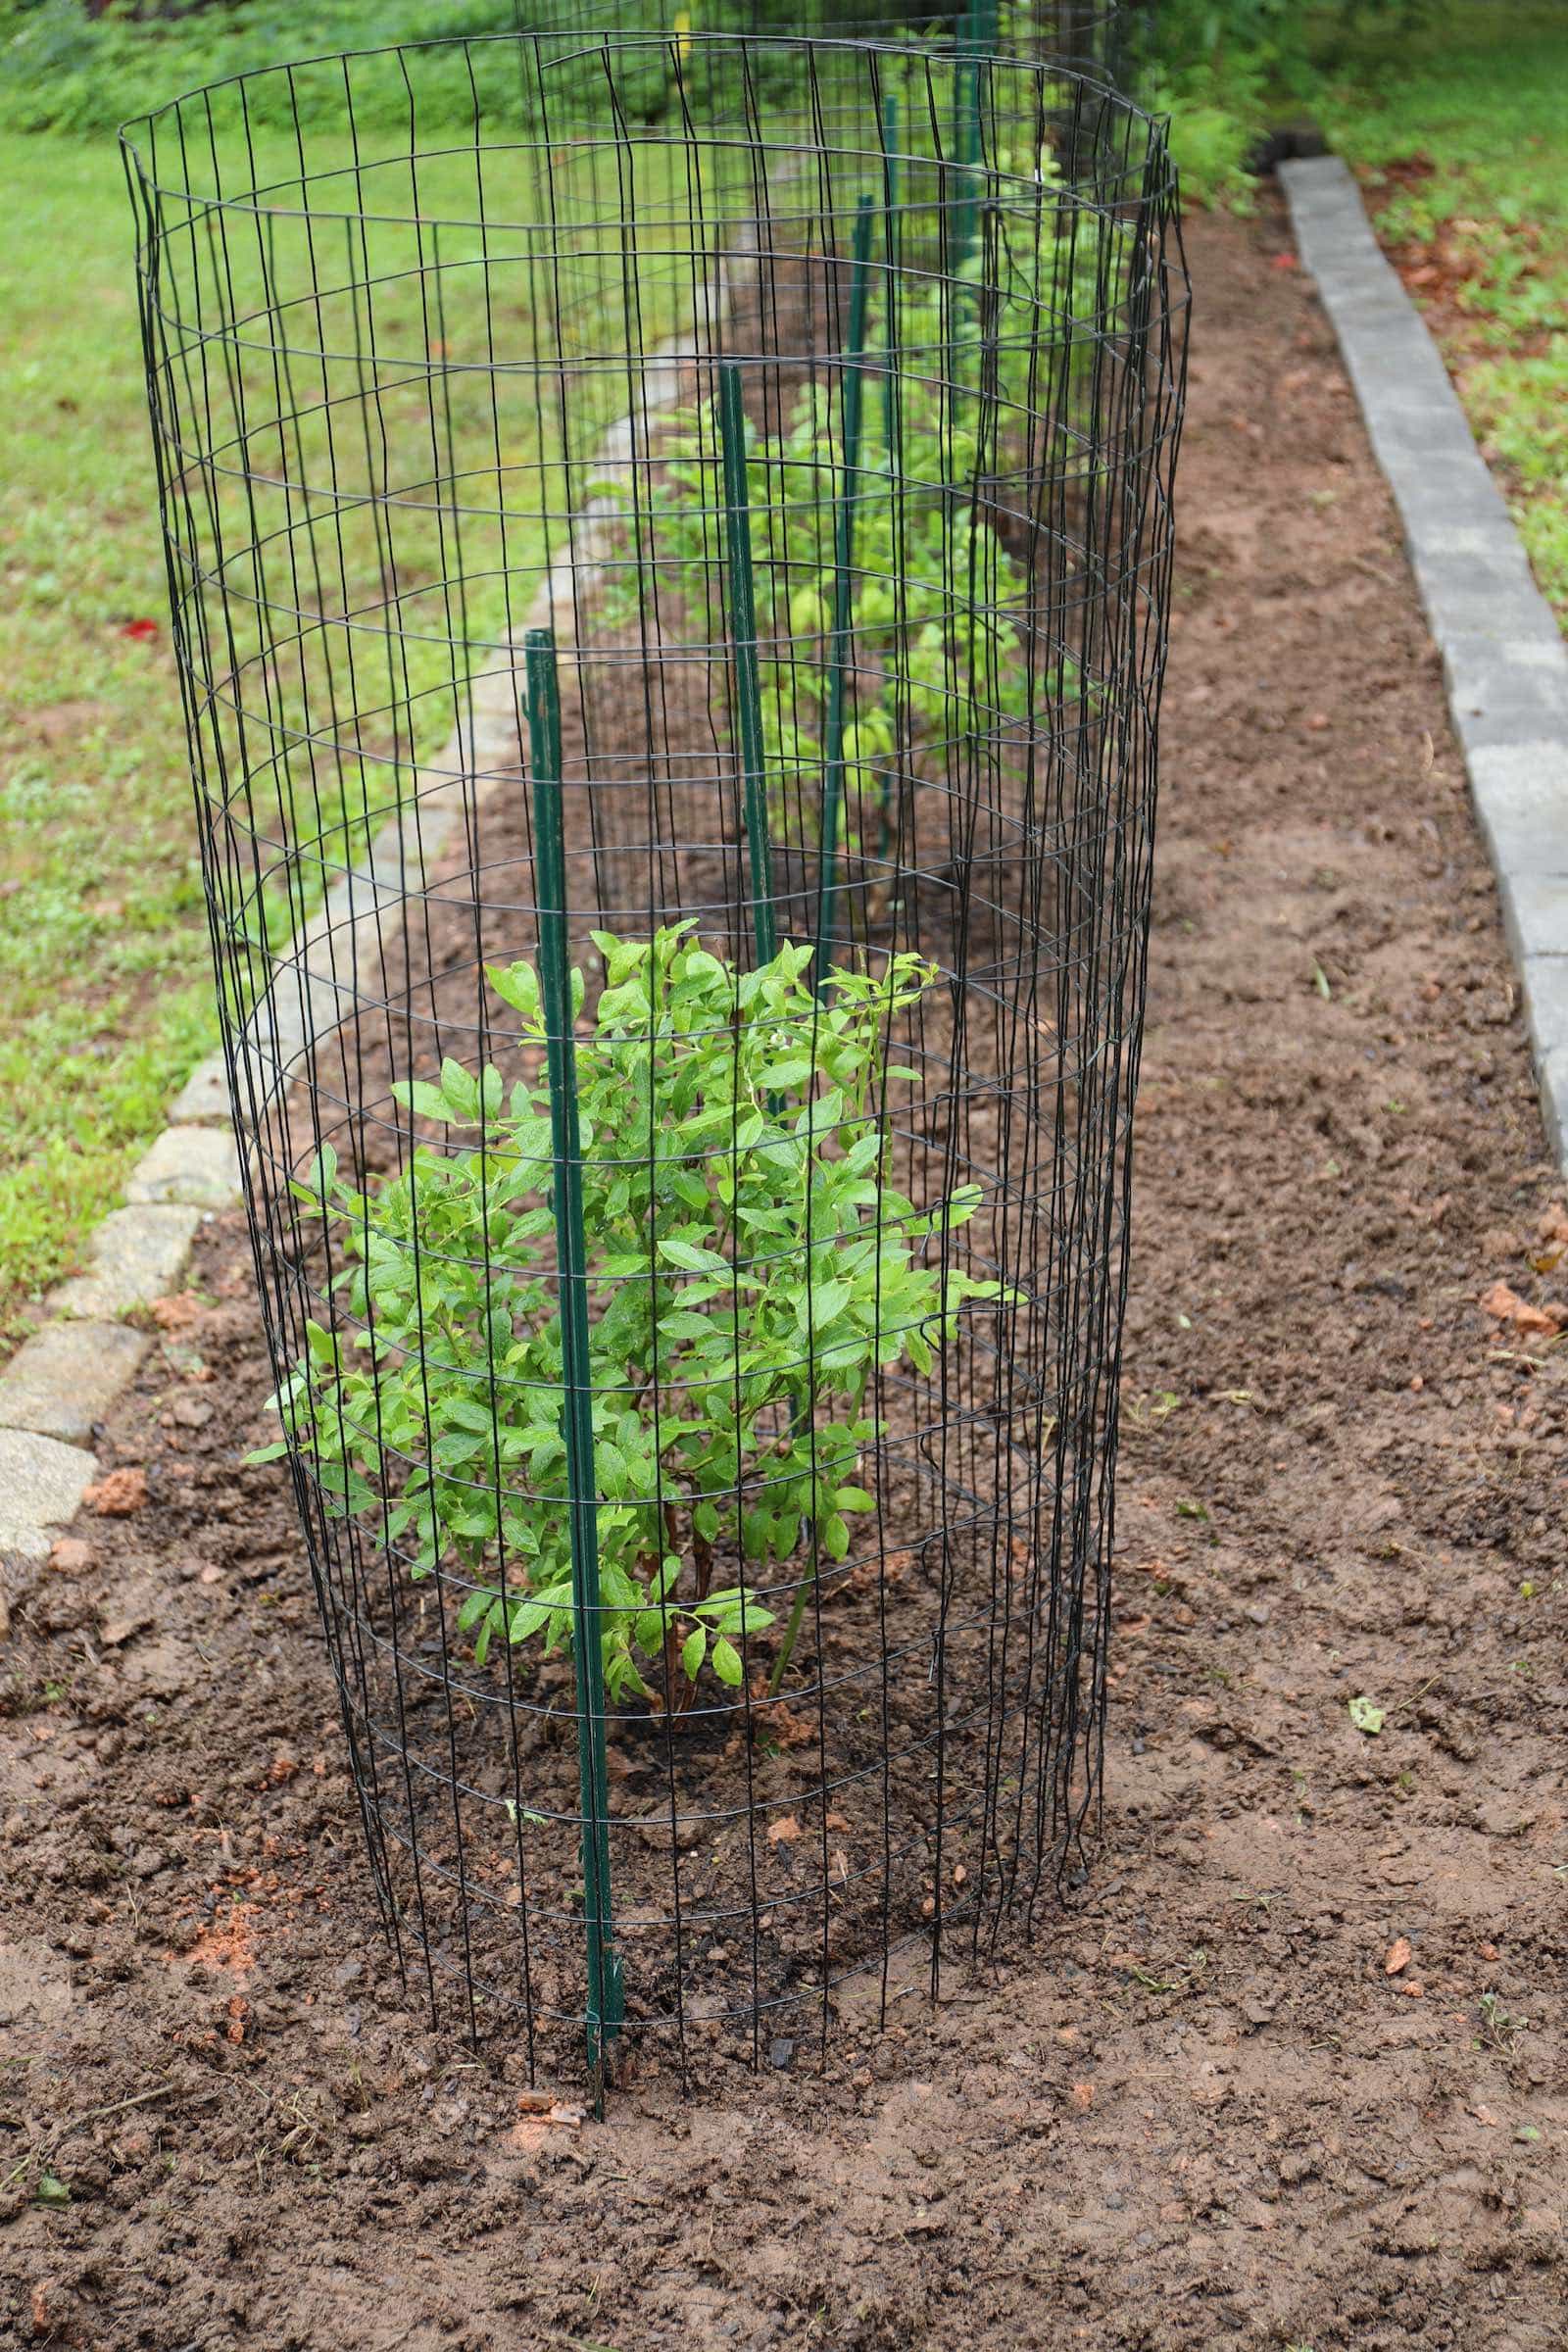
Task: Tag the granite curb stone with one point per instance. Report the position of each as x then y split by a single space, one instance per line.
1505 660
137 1254
41 1486
66 1376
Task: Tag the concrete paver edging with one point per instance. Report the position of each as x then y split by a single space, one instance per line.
1503 655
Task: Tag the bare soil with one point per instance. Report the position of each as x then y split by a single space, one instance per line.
1291 2070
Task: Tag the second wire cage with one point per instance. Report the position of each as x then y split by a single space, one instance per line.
670 550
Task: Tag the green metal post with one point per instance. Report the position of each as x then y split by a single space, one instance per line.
606 2000
891 410
890 248
742 589
852 355
966 133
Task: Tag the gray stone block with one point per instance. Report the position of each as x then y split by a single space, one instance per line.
1507 690
204 1094
1430 510
42 1486
136 1255
1545 980
67 1377
1521 794
1535 911
195 1165
1551 1069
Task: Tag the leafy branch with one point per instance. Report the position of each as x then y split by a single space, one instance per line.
751 1269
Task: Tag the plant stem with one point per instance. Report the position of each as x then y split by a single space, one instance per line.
792 1633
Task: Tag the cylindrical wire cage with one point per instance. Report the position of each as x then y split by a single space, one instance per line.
668 542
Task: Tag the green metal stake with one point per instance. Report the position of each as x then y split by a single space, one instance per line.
605 2001
965 134
891 410
843 596
743 641
890 244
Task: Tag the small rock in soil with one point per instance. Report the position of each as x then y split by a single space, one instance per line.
118 1495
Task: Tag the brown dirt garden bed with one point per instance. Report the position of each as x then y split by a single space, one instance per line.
1288 2071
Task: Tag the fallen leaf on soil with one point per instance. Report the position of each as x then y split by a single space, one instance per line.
118 1495
553 2110
783 1832
1367 1716
1082 2096
71 1555
837 1821
1507 1307
1398 1956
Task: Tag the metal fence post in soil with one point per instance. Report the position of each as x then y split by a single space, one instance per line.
741 599
605 1997
851 375
713 1502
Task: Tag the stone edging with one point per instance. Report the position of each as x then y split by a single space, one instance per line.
1503 655
66 1378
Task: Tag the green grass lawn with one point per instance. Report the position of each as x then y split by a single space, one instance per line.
1461 138
104 1000
104 993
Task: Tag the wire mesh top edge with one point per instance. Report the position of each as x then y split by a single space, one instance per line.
1142 136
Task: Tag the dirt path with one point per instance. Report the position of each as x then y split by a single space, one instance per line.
1292 2072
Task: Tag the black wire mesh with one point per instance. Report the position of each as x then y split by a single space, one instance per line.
1111 39
701 1404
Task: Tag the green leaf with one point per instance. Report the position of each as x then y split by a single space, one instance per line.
1367 1716
821 1305
517 985
782 1076
693 1650
427 1100
727 1664
693 1259
462 1091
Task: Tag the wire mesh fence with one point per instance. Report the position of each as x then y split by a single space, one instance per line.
1111 39
669 582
